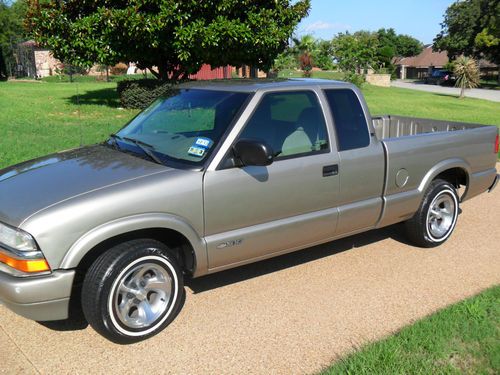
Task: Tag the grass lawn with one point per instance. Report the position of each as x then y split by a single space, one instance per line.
37 118
462 339
288 73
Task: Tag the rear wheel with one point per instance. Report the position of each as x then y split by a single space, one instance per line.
437 216
133 291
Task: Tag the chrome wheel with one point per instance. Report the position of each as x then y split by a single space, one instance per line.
441 216
142 295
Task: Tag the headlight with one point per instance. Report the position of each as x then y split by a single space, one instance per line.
19 251
16 239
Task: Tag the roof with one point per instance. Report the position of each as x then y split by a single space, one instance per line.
253 85
425 59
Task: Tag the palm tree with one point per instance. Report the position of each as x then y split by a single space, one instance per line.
467 72
306 43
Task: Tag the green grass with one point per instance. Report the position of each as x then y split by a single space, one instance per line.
490 84
462 339
37 118
405 102
288 73
90 79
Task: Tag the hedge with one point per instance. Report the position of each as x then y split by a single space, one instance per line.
140 93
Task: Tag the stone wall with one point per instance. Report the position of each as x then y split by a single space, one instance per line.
383 80
46 64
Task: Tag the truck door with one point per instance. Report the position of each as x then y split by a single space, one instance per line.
361 163
253 212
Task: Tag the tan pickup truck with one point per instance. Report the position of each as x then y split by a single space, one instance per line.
215 176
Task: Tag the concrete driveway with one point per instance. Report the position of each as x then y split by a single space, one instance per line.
493 95
290 315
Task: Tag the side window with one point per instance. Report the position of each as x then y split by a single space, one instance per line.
350 121
292 123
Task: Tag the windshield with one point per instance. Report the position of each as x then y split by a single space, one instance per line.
184 127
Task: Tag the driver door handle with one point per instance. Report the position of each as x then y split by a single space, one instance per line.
330 170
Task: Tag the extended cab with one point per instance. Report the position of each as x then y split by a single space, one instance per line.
218 175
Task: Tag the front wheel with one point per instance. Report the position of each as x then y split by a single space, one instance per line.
132 291
437 216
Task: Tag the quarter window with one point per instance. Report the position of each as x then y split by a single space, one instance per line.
350 121
292 123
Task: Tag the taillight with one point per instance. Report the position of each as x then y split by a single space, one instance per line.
496 144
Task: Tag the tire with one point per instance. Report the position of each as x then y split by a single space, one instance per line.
133 291
437 216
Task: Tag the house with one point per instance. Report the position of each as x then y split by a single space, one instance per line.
422 65
38 62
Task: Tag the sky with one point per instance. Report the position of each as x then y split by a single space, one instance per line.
418 18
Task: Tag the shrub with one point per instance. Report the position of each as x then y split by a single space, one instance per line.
285 61
119 69
467 72
140 93
355 79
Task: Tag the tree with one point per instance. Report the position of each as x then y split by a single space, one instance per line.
322 55
392 44
177 37
11 32
467 73
306 43
357 51
471 28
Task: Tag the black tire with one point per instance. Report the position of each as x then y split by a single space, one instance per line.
109 309
422 229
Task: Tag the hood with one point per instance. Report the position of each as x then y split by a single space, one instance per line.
31 186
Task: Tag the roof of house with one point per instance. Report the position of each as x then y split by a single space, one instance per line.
425 59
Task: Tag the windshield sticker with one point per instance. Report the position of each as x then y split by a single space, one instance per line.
203 142
196 151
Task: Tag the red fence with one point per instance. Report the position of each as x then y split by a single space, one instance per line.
206 72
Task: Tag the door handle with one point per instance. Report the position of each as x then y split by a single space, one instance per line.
330 170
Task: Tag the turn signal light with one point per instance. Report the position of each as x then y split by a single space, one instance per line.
25 265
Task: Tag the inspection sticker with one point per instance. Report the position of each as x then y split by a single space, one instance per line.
196 151
203 142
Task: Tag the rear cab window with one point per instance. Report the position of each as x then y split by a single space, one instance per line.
349 119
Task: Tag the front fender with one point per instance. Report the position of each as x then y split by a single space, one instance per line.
133 223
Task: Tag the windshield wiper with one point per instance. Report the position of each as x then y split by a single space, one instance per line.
113 138
146 148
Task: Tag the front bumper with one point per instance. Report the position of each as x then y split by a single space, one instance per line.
39 298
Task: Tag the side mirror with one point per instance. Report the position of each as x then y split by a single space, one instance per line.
253 152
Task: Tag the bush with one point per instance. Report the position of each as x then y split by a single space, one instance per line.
140 93
355 79
118 69
285 61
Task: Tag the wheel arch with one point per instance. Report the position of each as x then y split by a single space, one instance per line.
168 229
455 171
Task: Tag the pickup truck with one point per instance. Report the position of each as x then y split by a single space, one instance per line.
217 175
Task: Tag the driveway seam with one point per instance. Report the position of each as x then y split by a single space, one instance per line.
20 350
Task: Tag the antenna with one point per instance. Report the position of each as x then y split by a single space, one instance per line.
78 111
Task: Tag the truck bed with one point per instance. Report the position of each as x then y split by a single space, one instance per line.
389 126
417 148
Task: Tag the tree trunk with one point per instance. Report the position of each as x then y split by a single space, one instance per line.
107 73
462 92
